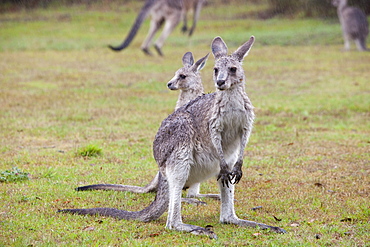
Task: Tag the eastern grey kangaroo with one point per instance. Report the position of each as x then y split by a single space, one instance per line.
202 139
168 12
354 24
188 80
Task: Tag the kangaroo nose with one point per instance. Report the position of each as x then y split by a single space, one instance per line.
220 83
169 85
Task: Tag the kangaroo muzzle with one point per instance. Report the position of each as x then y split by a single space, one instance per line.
221 81
172 85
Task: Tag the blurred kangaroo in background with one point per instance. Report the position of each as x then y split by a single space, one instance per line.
168 12
188 80
202 139
354 24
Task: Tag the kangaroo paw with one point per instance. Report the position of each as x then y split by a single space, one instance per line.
225 178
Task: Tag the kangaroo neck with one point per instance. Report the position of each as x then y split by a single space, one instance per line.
187 95
341 7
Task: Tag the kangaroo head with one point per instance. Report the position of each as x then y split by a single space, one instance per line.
188 77
228 70
337 3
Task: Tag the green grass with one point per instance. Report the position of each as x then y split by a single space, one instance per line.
91 150
13 175
62 89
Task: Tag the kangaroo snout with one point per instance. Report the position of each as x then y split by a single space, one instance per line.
220 83
171 86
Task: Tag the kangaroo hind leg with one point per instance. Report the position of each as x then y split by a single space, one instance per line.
171 23
155 24
228 215
176 177
361 44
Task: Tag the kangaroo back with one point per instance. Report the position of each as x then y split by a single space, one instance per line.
139 20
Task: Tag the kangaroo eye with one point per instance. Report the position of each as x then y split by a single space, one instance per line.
215 70
182 76
233 69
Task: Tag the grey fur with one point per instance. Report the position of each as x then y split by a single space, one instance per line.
167 12
188 80
202 139
354 24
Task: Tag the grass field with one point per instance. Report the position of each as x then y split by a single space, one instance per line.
62 89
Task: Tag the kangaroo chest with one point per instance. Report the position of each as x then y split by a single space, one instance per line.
230 121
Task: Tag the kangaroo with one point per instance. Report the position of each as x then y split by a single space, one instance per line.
202 139
188 80
354 24
169 12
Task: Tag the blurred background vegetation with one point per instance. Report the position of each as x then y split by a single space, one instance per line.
285 8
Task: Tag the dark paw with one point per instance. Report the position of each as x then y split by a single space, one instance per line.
224 177
236 175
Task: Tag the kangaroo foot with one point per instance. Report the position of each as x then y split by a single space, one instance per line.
213 196
158 49
196 230
184 29
247 223
146 51
193 201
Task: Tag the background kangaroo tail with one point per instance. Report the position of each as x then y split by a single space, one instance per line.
152 212
151 187
139 20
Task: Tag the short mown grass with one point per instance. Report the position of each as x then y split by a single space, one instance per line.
63 91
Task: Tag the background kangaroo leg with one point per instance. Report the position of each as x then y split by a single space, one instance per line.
193 191
154 26
170 24
361 44
197 9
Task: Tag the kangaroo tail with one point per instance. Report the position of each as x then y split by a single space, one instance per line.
151 187
139 20
152 212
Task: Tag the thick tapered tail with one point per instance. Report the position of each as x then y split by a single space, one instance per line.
139 20
151 187
152 212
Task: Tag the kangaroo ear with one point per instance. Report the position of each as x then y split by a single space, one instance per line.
219 48
187 59
200 63
243 50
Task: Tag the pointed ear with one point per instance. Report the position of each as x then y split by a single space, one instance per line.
219 48
187 59
243 50
200 63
